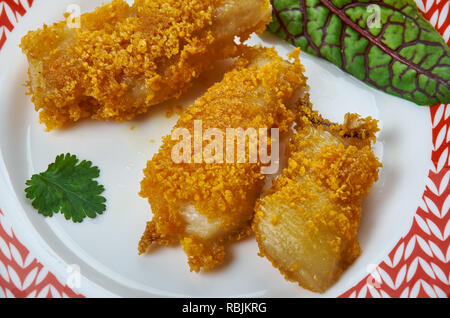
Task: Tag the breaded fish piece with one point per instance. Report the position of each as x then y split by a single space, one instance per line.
307 224
124 59
204 206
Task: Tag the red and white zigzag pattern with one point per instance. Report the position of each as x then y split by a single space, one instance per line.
418 266
21 275
10 11
438 13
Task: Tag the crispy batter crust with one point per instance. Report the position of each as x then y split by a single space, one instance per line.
252 94
125 59
307 225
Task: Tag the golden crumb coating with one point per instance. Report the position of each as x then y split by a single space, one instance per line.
124 59
307 225
205 205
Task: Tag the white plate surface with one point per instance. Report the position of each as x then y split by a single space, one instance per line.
106 248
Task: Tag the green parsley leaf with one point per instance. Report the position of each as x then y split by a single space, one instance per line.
68 187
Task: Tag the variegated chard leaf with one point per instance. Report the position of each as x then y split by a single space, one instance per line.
387 43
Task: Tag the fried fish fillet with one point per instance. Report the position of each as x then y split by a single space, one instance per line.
124 59
204 206
307 225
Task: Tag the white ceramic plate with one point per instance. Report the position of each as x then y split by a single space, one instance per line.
105 249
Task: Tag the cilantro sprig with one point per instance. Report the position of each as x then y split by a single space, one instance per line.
67 187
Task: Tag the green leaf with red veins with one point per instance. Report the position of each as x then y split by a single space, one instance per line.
387 44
